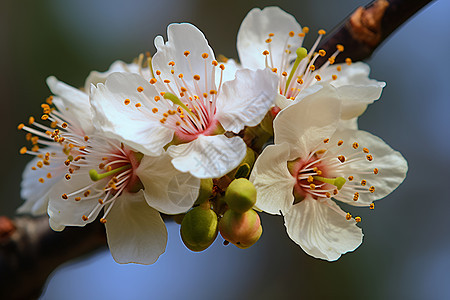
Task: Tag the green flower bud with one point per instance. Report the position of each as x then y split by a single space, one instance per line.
206 186
242 230
199 228
240 195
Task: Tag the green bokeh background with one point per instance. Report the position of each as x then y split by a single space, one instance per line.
406 248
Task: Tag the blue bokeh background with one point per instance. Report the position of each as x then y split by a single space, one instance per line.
406 249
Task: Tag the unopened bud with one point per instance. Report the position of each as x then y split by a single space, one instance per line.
199 228
206 186
240 195
242 230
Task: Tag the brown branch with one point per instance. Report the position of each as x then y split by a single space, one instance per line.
30 250
367 27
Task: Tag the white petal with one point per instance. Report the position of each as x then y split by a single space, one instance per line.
231 67
273 182
254 31
390 163
305 124
180 38
348 124
320 230
73 103
34 192
165 188
136 233
96 77
70 212
208 156
355 88
138 129
282 102
245 100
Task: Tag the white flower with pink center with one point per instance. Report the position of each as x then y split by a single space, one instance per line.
315 162
192 102
273 38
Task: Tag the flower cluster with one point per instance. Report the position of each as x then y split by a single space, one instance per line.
180 133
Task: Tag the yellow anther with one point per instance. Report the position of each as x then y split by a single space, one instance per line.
369 157
23 150
166 81
358 219
284 74
317 77
49 100
348 216
186 53
157 98
339 68
64 196
31 120
39 164
53 124
372 205
77 198
213 92
222 67
375 171
340 48
334 77
268 40
49 175
127 101
153 80
312 67
138 105
205 95
350 178
356 196
328 195
35 148
291 33
305 29
67 176
158 72
355 145
197 77
363 182
87 193
265 52
165 115
310 179
102 220
348 61
300 81
340 143
335 192
326 141
215 63
271 34
177 123
312 186
171 63
64 125
372 189
322 32
44 117
332 60
365 150
341 158
41 180
84 218
301 34
322 52
100 201
154 110
140 89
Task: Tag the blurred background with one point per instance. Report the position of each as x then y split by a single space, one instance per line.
406 248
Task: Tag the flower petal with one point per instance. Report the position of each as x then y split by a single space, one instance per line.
136 233
72 102
96 77
273 182
321 230
138 127
303 125
165 188
180 38
391 165
355 88
254 31
34 192
245 100
70 212
208 156
282 102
